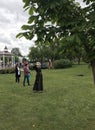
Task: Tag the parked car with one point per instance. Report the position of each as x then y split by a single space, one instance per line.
44 66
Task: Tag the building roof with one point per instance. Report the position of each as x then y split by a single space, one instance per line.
5 52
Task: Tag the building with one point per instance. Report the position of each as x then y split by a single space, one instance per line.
7 59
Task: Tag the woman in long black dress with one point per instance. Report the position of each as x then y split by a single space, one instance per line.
38 84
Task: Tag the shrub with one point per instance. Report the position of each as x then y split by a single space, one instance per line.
62 63
7 71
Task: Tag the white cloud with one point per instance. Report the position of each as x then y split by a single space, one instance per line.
12 17
83 4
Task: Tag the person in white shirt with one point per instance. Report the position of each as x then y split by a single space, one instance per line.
17 73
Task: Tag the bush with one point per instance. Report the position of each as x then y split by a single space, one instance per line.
7 71
62 63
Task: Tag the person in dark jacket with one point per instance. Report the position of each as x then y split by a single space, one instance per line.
17 73
38 84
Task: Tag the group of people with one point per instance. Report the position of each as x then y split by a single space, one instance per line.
38 84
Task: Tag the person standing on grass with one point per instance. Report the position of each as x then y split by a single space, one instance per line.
17 73
50 64
38 84
26 72
29 75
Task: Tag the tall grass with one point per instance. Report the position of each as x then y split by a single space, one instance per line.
67 102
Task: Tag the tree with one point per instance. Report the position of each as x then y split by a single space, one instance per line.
16 51
50 20
34 54
71 50
40 53
89 33
55 20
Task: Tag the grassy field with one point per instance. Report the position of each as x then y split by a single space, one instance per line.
67 103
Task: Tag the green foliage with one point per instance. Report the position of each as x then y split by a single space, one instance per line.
44 12
16 51
43 52
35 54
7 70
88 1
62 63
52 20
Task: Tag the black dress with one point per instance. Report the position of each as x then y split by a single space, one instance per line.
38 84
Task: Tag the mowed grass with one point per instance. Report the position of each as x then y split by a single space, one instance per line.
67 103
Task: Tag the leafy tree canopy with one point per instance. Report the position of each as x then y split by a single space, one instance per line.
53 20
16 51
50 20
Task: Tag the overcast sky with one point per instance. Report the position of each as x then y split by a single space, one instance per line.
12 17
81 3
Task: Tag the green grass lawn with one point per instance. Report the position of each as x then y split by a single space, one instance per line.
67 103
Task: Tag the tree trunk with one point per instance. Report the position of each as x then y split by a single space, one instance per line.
93 69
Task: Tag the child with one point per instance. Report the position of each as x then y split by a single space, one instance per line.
26 71
29 75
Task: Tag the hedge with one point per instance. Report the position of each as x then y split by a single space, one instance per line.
7 71
62 63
